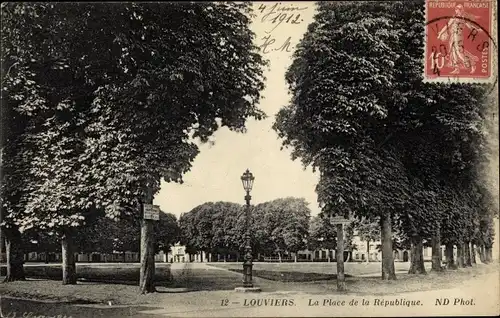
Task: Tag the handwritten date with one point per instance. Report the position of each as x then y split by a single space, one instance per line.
279 14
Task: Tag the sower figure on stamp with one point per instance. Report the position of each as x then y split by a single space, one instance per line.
458 56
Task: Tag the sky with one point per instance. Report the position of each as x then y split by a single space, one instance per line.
215 175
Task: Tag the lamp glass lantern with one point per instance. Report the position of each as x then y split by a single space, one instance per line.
247 179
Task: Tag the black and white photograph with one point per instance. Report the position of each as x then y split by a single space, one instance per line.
249 159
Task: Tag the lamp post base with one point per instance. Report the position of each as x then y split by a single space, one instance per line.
248 289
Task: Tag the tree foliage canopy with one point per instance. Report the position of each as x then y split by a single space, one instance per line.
112 96
383 140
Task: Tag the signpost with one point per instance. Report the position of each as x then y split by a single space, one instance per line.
151 212
339 221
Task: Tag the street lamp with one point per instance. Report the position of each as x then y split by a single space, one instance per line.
247 179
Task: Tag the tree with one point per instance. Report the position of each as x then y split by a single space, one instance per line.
322 234
213 228
368 231
284 223
167 232
124 118
340 119
188 232
104 235
227 228
14 159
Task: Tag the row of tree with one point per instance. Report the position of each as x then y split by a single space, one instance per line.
277 227
107 236
101 101
389 147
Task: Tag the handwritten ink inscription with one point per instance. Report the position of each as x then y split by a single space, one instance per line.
276 16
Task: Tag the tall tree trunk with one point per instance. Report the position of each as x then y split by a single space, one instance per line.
450 258
2 249
473 253
488 254
368 251
146 283
482 257
68 259
417 256
341 285
436 250
147 271
388 270
468 259
279 256
460 255
15 255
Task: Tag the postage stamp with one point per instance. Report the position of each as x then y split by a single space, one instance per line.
460 41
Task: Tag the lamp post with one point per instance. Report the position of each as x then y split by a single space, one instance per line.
247 179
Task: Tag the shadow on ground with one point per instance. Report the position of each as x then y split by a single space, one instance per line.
284 276
198 279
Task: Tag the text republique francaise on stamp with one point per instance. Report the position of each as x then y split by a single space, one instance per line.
460 41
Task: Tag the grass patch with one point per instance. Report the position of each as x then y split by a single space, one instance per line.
284 276
353 269
90 273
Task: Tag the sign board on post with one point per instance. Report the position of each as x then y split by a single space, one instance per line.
340 220
151 212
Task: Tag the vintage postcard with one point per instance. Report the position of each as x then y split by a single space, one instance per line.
249 159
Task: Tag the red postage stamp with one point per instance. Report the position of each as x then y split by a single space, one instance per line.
460 43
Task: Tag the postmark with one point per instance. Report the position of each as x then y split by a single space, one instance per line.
460 41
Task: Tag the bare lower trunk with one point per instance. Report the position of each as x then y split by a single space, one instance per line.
450 259
2 248
15 255
417 256
341 285
488 255
468 259
482 257
68 260
279 256
146 283
388 270
368 251
460 255
436 251
473 253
